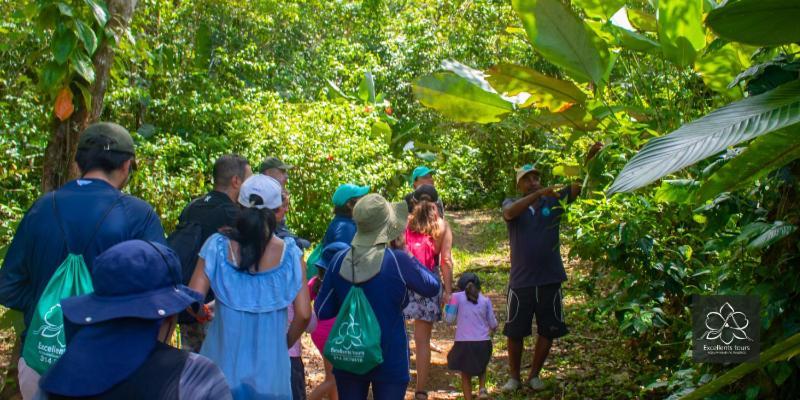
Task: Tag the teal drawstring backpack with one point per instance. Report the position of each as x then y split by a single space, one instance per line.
354 344
45 341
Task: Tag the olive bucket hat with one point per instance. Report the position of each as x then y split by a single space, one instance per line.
378 221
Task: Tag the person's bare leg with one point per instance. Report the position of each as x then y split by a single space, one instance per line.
481 382
515 347
540 352
327 387
422 340
466 386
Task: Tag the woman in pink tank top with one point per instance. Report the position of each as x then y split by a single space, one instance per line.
427 237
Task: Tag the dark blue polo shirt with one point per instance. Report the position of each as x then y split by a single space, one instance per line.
39 246
535 245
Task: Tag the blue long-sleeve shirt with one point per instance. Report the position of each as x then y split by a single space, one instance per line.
341 229
38 247
386 293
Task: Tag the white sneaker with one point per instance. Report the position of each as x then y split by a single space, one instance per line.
511 385
536 383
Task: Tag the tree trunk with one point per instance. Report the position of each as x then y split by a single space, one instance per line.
60 152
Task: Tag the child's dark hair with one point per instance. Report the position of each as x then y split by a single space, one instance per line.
471 285
254 229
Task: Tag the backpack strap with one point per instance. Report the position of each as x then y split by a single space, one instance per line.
96 227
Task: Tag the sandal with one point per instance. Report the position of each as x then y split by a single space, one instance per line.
420 395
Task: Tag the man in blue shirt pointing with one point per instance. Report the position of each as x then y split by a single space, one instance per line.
94 214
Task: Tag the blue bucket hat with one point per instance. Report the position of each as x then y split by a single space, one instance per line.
346 192
329 252
419 172
137 285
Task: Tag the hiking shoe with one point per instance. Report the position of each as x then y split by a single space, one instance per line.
511 385
483 394
536 383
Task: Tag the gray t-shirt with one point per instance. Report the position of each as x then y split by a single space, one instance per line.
535 245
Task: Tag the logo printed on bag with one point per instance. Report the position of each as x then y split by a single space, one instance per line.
53 325
349 332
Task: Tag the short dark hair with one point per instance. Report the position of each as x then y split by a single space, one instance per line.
97 158
228 166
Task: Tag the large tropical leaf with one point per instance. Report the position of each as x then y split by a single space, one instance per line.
680 29
642 20
544 91
563 39
719 68
764 155
678 191
757 22
635 41
730 125
777 231
458 98
575 117
603 9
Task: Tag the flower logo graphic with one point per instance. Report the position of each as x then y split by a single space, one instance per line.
349 334
726 325
52 329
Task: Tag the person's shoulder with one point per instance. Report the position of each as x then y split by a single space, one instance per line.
201 378
400 255
136 204
200 362
509 200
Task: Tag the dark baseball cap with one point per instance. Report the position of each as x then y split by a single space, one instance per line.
274 162
426 191
107 136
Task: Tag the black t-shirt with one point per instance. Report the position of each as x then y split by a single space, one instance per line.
535 245
212 211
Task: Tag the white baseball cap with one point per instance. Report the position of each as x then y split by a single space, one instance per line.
266 187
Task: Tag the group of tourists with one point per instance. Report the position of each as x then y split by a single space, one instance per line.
103 290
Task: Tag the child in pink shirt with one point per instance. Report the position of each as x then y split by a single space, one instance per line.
475 324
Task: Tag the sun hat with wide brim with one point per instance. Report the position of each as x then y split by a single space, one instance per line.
137 285
329 252
378 221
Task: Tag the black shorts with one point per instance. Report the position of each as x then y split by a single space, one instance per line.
544 302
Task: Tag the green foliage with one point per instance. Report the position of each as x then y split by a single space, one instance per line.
544 91
761 157
727 126
757 22
564 39
656 247
459 98
681 30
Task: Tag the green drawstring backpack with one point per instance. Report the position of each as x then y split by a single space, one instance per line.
45 341
354 344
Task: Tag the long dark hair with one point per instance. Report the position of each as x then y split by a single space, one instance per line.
254 229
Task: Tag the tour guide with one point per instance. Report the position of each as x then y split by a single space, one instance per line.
536 269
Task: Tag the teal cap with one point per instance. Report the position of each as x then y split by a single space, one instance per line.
347 191
420 171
